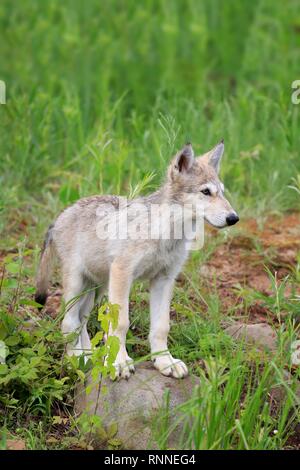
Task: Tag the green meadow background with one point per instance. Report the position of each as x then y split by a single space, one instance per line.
101 93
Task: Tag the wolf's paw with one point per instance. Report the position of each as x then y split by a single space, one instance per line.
124 366
171 367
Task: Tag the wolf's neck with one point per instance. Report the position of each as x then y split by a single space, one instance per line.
162 196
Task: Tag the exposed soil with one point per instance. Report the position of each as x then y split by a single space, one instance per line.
242 262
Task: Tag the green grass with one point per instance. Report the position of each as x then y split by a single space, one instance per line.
99 96
232 409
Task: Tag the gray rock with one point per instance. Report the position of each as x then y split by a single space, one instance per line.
278 393
134 407
259 334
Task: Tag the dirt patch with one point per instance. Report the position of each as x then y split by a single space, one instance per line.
241 263
15 444
53 304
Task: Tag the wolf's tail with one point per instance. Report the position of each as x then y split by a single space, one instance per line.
45 268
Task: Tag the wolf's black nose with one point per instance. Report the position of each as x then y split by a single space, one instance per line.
232 219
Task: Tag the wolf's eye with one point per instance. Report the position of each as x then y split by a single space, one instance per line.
206 192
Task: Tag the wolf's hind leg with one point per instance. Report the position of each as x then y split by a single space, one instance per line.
86 306
160 298
73 287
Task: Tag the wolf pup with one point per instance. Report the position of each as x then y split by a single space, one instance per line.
89 260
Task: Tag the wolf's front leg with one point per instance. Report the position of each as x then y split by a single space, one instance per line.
160 298
118 293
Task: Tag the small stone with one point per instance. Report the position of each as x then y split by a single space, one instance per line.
259 334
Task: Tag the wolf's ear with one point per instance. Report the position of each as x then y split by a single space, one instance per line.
184 159
214 157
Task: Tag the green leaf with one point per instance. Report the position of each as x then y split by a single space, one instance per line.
105 323
12 340
81 374
13 268
3 332
114 315
115 442
3 369
112 430
10 283
59 420
97 338
102 311
32 303
113 346
41 350
102 433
